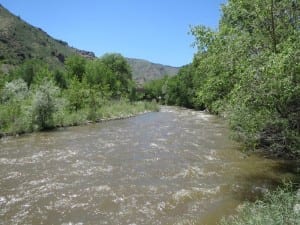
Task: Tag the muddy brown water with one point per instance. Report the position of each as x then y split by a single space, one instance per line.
176 166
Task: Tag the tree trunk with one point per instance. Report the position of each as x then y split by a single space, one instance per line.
273 33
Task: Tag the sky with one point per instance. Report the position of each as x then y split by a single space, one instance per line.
154 30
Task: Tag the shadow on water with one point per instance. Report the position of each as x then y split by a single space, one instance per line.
283 172
250 188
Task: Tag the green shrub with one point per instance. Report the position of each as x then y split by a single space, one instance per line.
277 208
45 104
15 110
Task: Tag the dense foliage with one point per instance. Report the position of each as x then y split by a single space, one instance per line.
248 70
33 97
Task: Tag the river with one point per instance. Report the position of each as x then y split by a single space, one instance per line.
176 166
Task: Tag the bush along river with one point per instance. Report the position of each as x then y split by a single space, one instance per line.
176 166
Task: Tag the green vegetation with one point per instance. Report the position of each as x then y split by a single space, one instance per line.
34 97
279 207
248 71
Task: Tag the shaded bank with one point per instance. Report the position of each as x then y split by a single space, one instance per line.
279 207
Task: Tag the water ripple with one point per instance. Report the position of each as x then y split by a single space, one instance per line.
177 166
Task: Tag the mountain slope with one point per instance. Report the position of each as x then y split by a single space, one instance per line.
20 41
143 70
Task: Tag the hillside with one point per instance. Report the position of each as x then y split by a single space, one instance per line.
144 70
20 41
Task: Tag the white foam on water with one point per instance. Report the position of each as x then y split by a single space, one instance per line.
13 175
207 191
147 210
161 206
72 152
157 146
189 131
107 169
71 223
154 145
190 172
167 109
195 144
39 182
119 200
185 222
102 188
108 145
153 189
2 200
152 160
210 158
218 134
202 116
182 195
7 161
13 200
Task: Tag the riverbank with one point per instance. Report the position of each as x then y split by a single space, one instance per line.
279 207
112 110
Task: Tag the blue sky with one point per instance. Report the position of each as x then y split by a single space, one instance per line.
155 30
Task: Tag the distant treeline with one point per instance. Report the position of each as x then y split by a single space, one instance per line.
249 71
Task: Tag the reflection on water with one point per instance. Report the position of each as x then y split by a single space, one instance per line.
176 166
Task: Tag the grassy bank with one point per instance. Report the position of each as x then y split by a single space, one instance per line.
111 110
281 207
63 118
35 97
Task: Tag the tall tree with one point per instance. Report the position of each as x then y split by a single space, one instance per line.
75 66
